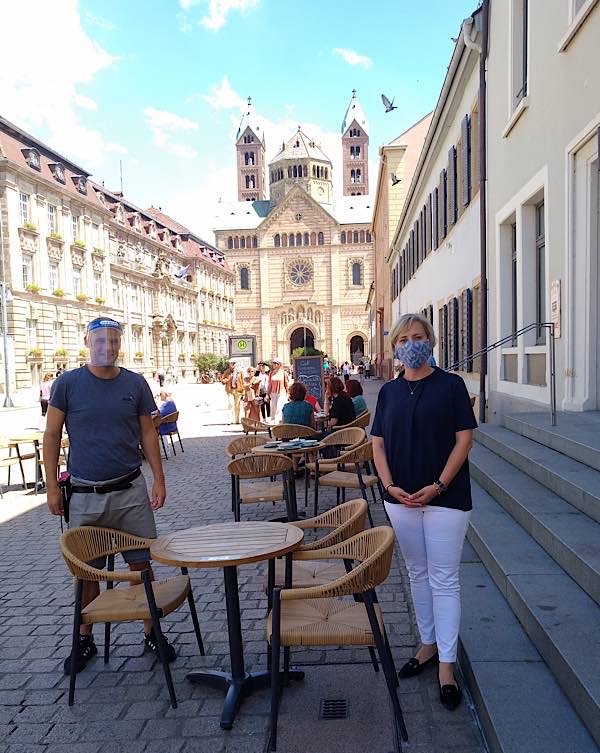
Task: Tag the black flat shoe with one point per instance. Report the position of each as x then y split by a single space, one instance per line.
450 696
414 667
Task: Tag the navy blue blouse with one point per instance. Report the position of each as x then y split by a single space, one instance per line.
418 422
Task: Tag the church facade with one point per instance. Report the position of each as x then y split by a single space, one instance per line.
303 260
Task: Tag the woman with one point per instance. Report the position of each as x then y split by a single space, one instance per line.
422 433
45 388
251 387
277 389
298 410
341 409
166 407
355 390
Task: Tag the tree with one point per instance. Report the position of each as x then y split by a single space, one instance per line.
206 362
298 352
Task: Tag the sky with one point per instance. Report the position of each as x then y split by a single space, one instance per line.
160 87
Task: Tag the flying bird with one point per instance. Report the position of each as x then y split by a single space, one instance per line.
454 39
389 106
395 180
182 272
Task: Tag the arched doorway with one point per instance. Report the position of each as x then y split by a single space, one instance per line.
357 348
297 339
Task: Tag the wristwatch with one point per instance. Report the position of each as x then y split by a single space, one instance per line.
441 486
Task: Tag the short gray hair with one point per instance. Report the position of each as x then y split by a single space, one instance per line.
406 321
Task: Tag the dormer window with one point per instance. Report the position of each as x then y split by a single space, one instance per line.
80 183
58 171
32 157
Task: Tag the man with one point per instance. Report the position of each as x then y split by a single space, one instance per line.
368 368
233 379
107 411
263 388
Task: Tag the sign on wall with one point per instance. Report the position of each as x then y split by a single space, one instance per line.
555 305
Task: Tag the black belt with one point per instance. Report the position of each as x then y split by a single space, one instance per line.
124 483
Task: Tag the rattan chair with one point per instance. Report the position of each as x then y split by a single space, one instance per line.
250 425
157 420
341 523
172 418
8 460
260 473
320 616
243 445
294 431
143 600
361 421
346 477
347 438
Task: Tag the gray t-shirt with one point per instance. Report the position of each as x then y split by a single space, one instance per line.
102 420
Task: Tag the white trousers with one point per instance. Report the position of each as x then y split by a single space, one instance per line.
278 400
431 540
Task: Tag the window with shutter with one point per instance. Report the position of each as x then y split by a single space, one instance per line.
429 223
453 332
462 327
417 246
430 314
435 220
474 152
451 187
469 327
445 339
424 232
465 129
476 326
444 204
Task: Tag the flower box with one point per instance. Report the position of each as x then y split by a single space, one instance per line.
100 300
79 244
33 288
60 353
34 353
59 292
83 353
30 226
81 297
55 236
139 355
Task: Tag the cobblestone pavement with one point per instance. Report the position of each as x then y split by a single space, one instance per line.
123 706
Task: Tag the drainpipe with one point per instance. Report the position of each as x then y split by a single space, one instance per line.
483 209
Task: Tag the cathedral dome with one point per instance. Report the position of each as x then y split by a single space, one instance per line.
301 161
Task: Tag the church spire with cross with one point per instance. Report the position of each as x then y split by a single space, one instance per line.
250 147
355 149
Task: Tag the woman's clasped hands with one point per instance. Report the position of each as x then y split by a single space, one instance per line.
418 499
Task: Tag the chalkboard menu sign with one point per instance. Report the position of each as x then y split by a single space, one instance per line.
309 371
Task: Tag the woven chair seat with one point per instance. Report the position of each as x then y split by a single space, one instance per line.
130 603
306 574
325 622
261 491
345 480
327 466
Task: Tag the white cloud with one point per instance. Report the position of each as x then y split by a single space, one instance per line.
218 11
47 98
352 58
164 125
223 97
101 23
116 149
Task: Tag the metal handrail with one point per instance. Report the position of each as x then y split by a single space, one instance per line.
511 339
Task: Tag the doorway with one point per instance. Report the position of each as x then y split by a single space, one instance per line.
302 337
357 349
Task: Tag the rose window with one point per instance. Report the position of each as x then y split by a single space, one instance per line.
300 273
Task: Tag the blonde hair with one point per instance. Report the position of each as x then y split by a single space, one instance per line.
406 321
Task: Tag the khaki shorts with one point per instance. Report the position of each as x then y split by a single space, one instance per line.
127 510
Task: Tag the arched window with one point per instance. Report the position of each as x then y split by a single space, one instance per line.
284 240
254 241
242 242
313 239
368 237
358 175
357 273
230 242
326 173
306 239
298 239
292 239
314 171
305 171
362 236
352 176
289 172
321 239
343 236
355 236
244 278
295 171
236 242
248 241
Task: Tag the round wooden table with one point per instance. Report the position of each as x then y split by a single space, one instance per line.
228 545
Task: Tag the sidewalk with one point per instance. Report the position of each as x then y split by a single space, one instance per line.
123 706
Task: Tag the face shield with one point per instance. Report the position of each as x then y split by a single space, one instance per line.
104 342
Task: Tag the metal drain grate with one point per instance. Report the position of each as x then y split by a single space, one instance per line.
333 708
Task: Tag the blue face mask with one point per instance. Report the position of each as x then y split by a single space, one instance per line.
413 353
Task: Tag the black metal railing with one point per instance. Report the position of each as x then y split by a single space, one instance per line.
511 339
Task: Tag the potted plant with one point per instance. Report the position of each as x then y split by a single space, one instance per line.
56 236
98 251
79 244
59 292
83 353
60 353
30 226
33 288
193 357
81 297
181 356
139 355
100 300
35 353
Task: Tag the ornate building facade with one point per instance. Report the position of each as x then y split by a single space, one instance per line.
72 250
303 261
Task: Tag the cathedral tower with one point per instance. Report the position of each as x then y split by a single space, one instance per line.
250 146
355 149
301 161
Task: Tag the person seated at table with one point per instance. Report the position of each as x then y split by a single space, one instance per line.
341 407
167 407
316 406
355 390
298 410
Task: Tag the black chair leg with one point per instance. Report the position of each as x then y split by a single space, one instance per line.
179 438
172 444
373 494
275 644
316 495
162 440
158 634
194 614
75 642
373 656
337 496
110 566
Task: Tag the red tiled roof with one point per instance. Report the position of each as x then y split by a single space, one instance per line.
167 221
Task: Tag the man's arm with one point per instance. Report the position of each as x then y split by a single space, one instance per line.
55 420
149 442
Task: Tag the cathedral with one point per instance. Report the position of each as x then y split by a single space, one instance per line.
303 259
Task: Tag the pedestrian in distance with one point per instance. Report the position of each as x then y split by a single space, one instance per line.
277 390
263 396
106 483
233 380
422 433
45 389
368 368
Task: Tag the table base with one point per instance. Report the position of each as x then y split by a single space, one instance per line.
236 690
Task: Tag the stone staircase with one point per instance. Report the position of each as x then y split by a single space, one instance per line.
530 636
